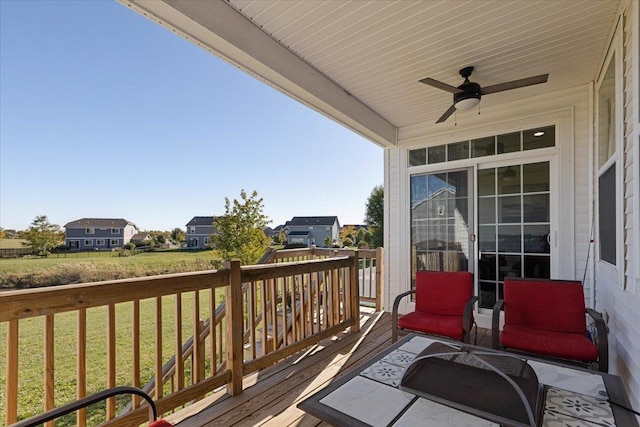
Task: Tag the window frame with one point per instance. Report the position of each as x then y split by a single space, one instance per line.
614 56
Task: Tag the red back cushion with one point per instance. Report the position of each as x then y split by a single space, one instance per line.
546 305
443 292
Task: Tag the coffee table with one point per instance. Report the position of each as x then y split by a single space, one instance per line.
370 396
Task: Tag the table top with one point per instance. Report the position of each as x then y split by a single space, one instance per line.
370 396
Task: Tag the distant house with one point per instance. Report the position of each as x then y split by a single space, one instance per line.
141 237
199 231
88 234
312 230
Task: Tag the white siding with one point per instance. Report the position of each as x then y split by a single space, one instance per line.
621 301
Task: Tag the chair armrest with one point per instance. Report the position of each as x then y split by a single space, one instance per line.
394 314
495 324
602 341
52 414
467 319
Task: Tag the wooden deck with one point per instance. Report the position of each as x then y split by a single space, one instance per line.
271 395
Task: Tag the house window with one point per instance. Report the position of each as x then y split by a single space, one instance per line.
74 244
89 231
530 139
114 242
88 242
607 148
100 242
115 231
193 230
206 240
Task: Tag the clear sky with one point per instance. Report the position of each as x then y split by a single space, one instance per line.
105 114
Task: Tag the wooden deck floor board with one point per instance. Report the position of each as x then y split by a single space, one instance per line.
270 396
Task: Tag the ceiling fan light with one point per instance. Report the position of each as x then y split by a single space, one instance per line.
467 104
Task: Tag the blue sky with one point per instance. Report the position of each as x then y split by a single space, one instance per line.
104 113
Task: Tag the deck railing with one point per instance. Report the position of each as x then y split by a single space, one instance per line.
370 267
255 316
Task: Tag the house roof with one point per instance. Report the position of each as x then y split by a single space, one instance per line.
201 220
360 63
99 222
140 236
313 220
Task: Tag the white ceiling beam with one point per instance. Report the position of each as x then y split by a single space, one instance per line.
219 28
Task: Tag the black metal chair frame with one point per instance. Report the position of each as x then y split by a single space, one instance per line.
52 414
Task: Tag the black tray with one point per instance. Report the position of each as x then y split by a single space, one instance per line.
463 381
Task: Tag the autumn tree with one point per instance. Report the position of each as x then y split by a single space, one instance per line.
42 235
239 232
374 216
178 235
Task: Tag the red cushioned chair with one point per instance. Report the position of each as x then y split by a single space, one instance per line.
548 318
444 305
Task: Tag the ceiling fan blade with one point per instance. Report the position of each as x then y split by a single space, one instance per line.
447 113
529 81
435 83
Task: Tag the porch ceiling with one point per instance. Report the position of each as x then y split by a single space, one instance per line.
359 62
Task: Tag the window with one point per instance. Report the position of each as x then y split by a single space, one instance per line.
606 152
114 242
89 231
115 231
206 240
100 242
193 230
88 242
530 139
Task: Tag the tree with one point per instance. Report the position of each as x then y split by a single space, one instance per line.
374 215
178 235
42 235
2 233
240 230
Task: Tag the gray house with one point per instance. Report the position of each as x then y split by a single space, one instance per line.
312 230
199 231
88 234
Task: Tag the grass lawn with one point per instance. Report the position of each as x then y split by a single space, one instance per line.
96 266
11 243
30 372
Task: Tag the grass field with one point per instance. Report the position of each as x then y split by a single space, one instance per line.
96 266
11 243
30 373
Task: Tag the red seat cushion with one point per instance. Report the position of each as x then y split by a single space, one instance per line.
443 292
435 324
556 344
161 423
555 306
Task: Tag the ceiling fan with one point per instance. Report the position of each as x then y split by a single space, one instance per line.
468 94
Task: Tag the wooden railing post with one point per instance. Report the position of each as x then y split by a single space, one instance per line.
379 277
354 294
11 408
234 327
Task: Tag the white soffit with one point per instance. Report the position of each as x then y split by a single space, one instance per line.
359 62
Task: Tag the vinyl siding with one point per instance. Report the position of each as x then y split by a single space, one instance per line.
620 301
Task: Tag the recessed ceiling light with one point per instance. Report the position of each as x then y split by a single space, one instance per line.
538 134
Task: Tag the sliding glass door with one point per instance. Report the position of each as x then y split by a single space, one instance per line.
441 221
514 226
513 218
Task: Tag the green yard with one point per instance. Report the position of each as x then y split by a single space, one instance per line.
96 266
